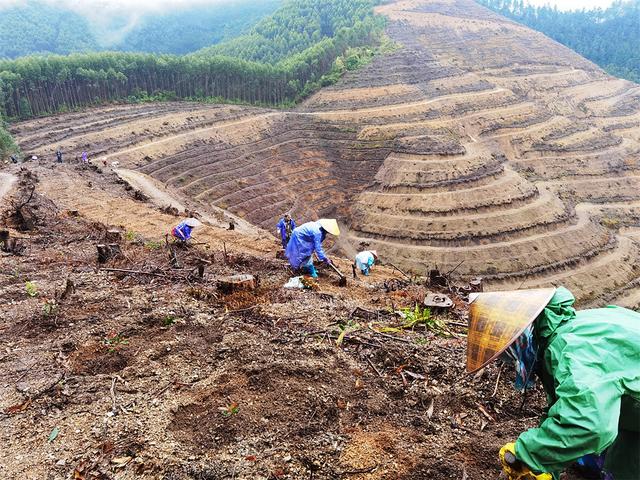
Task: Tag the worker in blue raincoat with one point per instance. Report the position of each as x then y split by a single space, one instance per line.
182 232
285 226
307 239
365 260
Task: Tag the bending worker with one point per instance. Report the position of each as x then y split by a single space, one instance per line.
365 260
589 364
285 227
307 239
182 232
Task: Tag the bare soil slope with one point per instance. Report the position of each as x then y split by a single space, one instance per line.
478 140
138 369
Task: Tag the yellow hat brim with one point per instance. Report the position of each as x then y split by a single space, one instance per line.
497 319
330 225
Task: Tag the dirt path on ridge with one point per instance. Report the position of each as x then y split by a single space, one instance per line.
161 196
6 182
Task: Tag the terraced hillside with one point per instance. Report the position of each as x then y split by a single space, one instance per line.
477 140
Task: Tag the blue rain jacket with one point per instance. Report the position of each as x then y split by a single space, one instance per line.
282 228
182 232
364 261
305 239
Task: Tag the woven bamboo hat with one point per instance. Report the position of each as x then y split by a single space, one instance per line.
497 319
330 225
192 222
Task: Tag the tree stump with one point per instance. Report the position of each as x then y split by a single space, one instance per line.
107 252
173 257
113 235
68 290
26 219
475 284
436 279
237 283
11 245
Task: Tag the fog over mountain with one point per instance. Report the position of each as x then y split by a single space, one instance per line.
163 26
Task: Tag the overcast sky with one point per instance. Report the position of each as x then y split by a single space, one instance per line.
151 5
572 4
124 5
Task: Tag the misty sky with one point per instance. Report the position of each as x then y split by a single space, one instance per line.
140 6
123 6
571 4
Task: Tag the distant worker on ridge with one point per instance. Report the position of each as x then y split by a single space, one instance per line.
59 155
307 239
85 157
365 260
182 232
285 227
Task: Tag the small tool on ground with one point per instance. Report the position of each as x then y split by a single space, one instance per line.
343 279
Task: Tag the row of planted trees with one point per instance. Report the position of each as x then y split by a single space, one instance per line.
34 86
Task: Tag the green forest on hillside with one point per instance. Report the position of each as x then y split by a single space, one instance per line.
40 28
304 45
608 37
35 27
292 29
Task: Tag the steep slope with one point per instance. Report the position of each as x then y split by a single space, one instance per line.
477 141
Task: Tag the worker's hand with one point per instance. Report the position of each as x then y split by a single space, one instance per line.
514 469
327 261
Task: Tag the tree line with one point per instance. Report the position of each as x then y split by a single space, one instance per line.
608 37
346 33
38 85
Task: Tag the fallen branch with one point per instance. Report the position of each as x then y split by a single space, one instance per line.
253 307
357 471
135 272
484 412
495 389
375 369
458 324
404 340
114 405
399 270
360 309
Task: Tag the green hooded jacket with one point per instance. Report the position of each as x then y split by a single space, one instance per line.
591 373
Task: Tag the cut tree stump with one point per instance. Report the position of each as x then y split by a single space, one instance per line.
113 235
475 284
10 245
107 252
237 283
26 219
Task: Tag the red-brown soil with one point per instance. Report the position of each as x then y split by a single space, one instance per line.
163 376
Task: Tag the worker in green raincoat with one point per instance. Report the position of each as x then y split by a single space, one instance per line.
589 364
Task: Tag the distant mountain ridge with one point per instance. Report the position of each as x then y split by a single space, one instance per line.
608 37
36 27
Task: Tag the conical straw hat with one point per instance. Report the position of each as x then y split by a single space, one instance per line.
330 225
496 319
192 222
